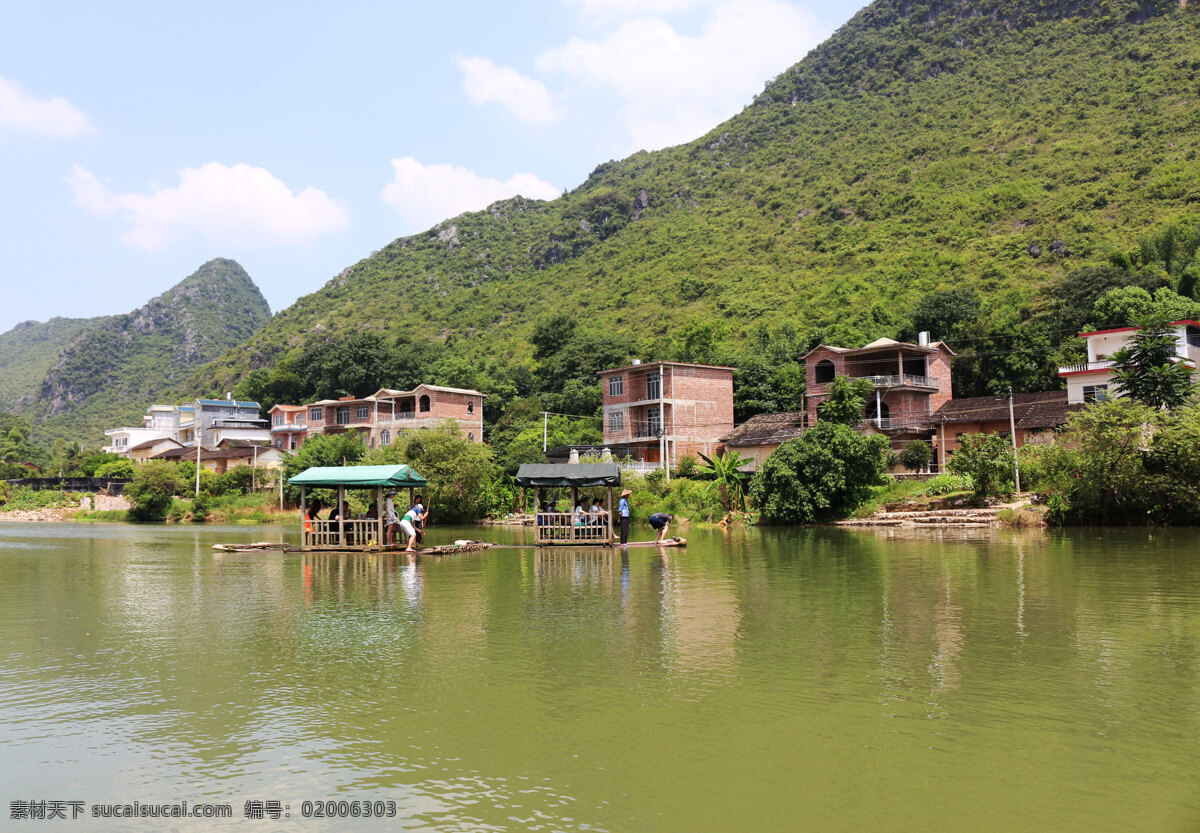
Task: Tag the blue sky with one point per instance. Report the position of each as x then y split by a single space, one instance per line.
138 140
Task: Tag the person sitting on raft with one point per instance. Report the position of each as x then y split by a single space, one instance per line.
661 521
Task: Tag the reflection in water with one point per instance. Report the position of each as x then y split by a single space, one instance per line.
757 680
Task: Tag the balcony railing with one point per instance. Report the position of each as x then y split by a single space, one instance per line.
1084 366
638 466
900 379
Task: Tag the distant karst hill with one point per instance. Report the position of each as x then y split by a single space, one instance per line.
925 146
76 377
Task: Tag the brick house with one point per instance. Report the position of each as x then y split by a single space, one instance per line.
1036 416
383 416
664 411
758 437
910 382
1092 380
289 426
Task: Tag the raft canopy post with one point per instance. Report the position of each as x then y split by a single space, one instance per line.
379 520
303 518
341 499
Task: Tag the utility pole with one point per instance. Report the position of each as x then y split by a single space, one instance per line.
199 430
1012 427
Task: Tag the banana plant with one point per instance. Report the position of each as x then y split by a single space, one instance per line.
728 478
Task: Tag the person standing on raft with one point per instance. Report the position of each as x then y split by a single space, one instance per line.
623 513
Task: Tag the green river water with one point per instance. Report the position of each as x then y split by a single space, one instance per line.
759 680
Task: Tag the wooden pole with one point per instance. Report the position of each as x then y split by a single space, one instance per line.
303 518
609 506
379 510
341 516
574 503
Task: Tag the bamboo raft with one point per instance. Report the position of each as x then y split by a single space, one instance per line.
459 546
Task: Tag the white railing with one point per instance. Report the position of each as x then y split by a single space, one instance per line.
355 532
899 379
1082 366
567 528
636 465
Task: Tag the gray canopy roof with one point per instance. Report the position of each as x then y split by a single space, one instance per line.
569 474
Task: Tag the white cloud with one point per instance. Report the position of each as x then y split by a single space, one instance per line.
526 98
22 112
673 86
426 194
241 204
629 8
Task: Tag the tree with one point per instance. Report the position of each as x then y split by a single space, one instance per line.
152 490
728 478
322 450
1148 369
459 471
916 455
822 475
846 399
946 314
1101 472
987 460
117 468
1126 305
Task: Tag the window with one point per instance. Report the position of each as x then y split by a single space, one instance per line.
424 404
385 437
406 410
299 417
616 421
654 386
278 419
343 415
471 436
825 371
279 442
653 422
314 414
360 412
470 406
616 385
1095 393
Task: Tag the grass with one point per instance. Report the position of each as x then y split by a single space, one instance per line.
102 515
254 508
916 492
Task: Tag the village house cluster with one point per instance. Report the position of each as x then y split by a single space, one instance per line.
232 433
656 413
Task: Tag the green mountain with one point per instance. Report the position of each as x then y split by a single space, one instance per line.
27 352
988 146
75 377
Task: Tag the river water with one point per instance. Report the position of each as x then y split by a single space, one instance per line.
758 680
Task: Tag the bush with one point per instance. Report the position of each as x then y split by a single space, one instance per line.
200 508
822 475
916 455
152 491
120 467
686 466
987 459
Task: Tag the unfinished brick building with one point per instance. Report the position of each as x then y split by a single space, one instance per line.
664 411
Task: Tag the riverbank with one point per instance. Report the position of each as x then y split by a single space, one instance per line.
59 509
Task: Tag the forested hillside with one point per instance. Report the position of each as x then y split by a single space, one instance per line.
990 151
74 378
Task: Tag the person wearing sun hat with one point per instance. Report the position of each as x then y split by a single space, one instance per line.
623 512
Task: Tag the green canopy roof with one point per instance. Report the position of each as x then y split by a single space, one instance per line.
359 477
569 474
